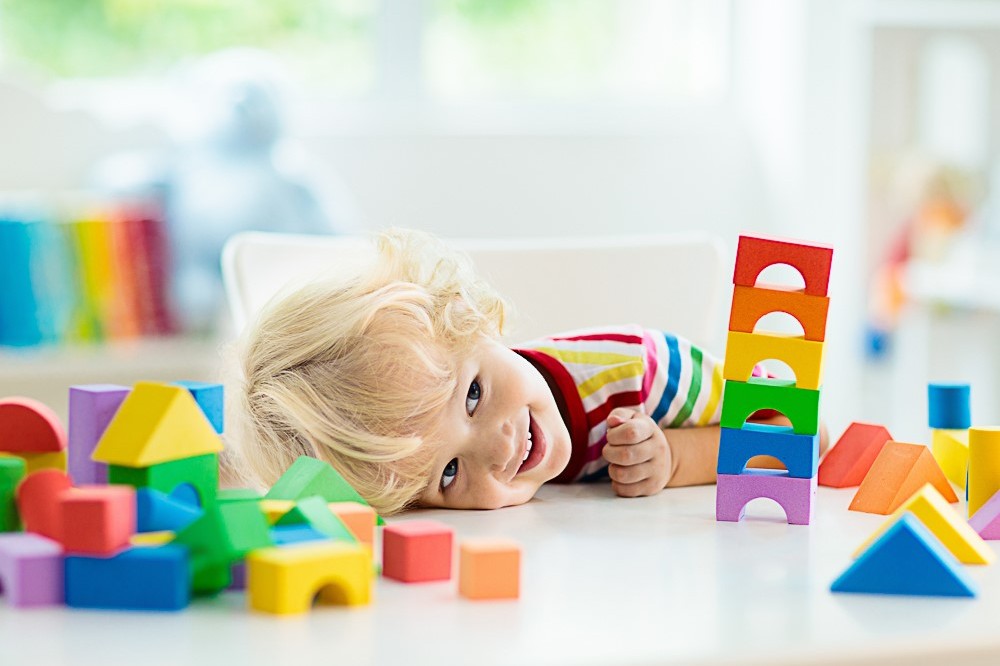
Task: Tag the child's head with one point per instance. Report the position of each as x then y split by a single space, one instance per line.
383 375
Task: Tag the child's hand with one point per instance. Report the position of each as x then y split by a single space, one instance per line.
639 455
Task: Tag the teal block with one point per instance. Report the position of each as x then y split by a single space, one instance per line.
742 399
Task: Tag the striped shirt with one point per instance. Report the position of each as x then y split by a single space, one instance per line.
593 371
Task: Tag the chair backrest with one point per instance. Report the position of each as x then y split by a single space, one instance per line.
672 281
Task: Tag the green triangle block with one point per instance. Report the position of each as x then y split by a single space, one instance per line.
907 560
310 476
313 511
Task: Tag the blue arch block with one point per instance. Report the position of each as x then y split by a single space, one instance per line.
799 453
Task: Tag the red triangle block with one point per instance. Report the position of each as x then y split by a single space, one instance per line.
849 460
898 472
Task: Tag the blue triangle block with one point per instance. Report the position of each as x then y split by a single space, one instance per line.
907 559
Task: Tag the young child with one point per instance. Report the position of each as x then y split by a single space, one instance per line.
399 380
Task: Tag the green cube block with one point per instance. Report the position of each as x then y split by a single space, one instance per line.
315 512
200 472
742 399
12 470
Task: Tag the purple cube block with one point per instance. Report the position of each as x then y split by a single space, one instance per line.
31 570
91 408
795 495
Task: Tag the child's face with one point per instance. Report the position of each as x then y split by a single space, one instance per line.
501 412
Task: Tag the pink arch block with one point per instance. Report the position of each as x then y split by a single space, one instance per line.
794 495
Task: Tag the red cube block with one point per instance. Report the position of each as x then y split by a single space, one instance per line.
97 519
417 551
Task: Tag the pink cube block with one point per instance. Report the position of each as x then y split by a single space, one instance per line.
31 570
97 520
417 551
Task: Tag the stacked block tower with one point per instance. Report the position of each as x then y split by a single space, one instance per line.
796 446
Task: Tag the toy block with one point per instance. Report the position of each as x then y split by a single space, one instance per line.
948 406
899 471
984 466
742 399
151 539
417 551
315 512
136 579
238 495
157 511
944 523
31 570
811 260
275 509
359 519
28 426
97 520
745 350
848 461
91 408
950 449
38 497
752 303
223 534
794 495
193 480
799 453
309 476
238 575
986 521
12 470
156 423
210 399
284 581
907 559
37 461
489 569
282 535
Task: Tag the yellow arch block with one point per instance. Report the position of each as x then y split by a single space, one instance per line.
984 466
951 450
285 580
745 350
933 510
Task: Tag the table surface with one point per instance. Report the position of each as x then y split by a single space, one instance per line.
604 580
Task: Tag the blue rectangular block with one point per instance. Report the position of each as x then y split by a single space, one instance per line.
210 398
136 579
286 534
799 453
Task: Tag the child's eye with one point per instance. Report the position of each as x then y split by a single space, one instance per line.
472 398
449 474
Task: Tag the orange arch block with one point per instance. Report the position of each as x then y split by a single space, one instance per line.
752 303
899 471
812 260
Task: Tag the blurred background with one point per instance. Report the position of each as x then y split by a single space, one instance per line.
136 135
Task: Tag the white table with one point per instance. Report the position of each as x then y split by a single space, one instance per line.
604 580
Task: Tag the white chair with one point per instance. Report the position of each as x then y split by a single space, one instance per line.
670 281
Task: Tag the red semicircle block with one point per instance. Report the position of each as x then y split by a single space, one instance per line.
29 426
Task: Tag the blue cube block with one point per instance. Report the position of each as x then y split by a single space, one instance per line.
948 406
210 398
136 579
799 453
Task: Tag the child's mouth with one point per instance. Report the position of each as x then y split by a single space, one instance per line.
536 446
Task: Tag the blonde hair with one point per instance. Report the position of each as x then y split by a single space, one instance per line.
355 372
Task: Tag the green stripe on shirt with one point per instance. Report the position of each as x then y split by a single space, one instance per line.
693 390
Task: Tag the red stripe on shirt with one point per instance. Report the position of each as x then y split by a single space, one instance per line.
600 413
601 337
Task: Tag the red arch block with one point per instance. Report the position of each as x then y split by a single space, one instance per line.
812 260
28 426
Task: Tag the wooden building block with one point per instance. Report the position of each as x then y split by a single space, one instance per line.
986 521
944 523
195 479
31 570
811 260
359 519
97 520
38 497
948 406
951 451
156 423
899 471
752 303
742 399
489 569
210 399
28 426
417 551
12 470
745 350
315 512
50 460
907 559
984 466
135 579
734 491
91 408
848 461
799 453
284 581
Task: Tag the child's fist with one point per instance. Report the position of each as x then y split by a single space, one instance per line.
637 452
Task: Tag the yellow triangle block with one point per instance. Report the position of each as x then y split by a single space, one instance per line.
156 423
933 510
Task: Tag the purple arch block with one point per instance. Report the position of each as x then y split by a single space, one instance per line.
794 495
